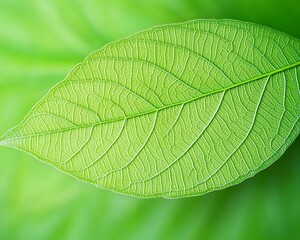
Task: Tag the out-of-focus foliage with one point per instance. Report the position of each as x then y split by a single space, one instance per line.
39 42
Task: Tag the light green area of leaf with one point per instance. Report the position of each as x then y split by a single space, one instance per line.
178 110
40 42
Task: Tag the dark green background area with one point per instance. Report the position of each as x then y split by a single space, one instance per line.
40 41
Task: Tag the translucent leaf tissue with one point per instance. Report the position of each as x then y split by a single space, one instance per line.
178 110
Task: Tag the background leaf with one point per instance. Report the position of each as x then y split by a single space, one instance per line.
40 41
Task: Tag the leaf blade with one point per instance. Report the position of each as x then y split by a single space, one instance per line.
139 95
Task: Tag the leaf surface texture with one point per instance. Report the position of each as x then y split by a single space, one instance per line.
177 110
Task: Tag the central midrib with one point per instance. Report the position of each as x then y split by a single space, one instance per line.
3 140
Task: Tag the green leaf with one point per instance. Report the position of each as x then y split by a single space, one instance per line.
177 110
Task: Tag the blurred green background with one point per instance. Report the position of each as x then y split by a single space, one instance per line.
40 41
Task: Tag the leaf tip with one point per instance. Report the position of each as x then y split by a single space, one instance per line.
3 140
3 143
